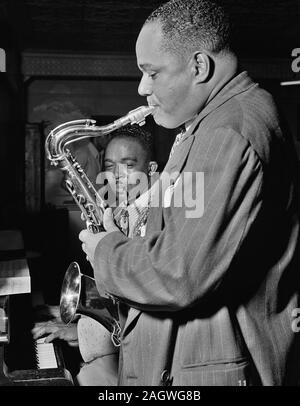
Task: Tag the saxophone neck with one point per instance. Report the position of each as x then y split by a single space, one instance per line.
72 131
77 130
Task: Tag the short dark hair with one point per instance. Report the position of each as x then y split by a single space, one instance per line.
137 133
188 25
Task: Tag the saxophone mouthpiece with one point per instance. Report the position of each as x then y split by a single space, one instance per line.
136 116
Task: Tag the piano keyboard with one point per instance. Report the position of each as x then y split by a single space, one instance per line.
29 362
45 354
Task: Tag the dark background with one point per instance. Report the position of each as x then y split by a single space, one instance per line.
268 28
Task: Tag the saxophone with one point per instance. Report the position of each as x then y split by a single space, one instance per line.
82 190
92 208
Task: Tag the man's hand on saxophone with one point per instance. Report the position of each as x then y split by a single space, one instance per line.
90 240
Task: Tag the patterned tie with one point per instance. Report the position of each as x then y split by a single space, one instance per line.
139 230
121 219
177 141
138 213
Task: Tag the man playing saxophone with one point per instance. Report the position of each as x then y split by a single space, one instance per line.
211 292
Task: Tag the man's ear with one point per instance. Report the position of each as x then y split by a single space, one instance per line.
152 167
202 66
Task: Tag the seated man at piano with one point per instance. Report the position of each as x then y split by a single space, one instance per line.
127 156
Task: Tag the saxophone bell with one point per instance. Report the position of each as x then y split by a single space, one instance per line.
80 296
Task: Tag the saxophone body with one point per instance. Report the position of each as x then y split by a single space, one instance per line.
80 187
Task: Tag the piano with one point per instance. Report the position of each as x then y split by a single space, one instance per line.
23 360
29 362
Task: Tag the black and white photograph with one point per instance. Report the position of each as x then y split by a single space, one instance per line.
150 199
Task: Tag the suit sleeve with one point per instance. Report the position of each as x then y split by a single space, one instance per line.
187 260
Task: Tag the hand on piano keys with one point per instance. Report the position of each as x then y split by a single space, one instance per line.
27 361
35 362
54 329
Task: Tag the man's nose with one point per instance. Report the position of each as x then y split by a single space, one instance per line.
144 88
120 171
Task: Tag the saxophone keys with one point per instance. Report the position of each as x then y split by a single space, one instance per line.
81 199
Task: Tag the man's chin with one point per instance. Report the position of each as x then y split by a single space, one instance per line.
165 121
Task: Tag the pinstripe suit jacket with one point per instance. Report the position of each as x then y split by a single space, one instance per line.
211 298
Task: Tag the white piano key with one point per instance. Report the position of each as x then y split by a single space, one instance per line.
45 355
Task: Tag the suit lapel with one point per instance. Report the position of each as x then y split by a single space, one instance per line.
181 152
132 315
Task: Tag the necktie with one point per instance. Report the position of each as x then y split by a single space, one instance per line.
138 228
121 219
177 141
